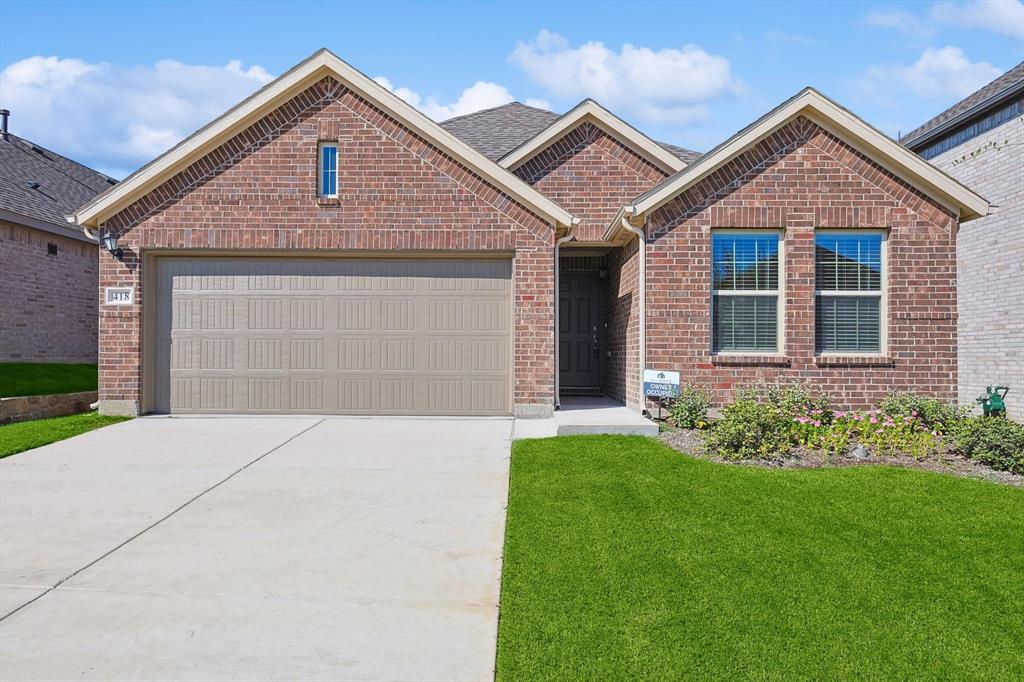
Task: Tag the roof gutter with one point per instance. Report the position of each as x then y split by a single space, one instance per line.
641 234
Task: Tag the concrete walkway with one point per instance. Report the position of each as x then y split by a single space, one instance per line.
271 548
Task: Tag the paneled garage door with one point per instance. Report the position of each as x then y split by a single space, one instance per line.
354 336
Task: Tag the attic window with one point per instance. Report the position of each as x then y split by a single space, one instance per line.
51 249
327 166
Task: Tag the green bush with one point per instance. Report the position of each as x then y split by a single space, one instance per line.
748 429
690 409
934 414
995 442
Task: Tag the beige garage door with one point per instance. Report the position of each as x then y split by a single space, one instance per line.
354 336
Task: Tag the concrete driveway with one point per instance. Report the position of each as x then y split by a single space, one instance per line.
270 548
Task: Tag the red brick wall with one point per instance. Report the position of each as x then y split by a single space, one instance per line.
258 191
590 174
799 179
48 303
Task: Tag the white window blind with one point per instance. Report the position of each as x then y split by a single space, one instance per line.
745 292
848 282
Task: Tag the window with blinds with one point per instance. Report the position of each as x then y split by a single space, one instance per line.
848 282
745 292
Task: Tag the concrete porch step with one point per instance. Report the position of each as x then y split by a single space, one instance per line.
587 416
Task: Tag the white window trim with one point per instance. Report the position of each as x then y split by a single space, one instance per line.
882 294
780 293
320 170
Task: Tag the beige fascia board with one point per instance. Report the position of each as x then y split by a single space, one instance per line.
322 63
611 124
840 122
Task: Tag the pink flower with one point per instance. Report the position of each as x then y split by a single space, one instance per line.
817 423
913 413
874 419
840 414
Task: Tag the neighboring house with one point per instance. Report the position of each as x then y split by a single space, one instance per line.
48 267
980 141
323 247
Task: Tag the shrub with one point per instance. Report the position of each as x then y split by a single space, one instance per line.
995 442
934 414
690 409
748 429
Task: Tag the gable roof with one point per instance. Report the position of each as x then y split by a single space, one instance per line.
39 188
821 110
590 111
319 65
1000 90
496 131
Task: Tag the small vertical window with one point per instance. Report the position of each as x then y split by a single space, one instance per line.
848 284
328 170
51 249
745 281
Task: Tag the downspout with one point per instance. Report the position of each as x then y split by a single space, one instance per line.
642 286
569 236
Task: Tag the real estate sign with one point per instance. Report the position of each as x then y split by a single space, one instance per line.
659 383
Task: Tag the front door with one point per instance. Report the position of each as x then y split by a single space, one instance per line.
578 321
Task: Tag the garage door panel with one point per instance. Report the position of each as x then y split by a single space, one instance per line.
358 336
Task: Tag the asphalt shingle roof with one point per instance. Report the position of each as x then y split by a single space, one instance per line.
1007 80
495 132
44 185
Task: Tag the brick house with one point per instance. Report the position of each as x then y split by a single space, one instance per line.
48 267
980 142
324 247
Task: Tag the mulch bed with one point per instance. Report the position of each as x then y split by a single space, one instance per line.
690 442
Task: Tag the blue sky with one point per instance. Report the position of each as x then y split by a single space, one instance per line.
113 84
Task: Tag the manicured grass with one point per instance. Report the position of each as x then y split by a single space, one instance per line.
625 560
42 378
15 438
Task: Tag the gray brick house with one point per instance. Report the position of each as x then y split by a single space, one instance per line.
48 267
980 141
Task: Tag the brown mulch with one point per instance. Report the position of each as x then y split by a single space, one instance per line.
690 442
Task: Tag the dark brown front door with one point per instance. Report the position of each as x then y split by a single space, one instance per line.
578 321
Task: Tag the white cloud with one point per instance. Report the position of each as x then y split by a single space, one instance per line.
941 73
480 95
116 117
669 86
899 20
1000 16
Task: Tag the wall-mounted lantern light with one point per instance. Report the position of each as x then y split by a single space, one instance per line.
110 242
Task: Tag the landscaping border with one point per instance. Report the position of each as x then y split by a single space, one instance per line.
26 408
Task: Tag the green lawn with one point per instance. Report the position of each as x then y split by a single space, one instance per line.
625 560
42 378
15 438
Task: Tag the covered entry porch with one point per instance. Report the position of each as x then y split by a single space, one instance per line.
598 326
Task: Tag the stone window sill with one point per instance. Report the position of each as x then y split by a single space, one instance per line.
853 361
748 360
328 201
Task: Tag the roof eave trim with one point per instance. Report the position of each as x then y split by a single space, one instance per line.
319 65
68 231
948 125
609 123
869 141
